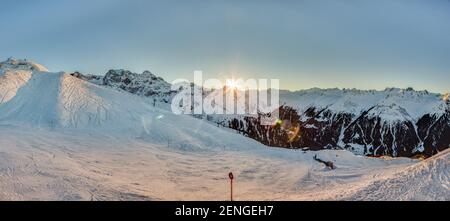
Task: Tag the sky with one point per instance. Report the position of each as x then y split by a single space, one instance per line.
362 44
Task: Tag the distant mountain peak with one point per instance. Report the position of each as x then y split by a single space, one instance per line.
22 64
145 84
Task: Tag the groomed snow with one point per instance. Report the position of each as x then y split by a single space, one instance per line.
42 164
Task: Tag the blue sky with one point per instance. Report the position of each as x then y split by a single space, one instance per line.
317 43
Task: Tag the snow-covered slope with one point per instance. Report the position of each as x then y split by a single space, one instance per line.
30 95
431 176
59 100
181 158
10 82
14 74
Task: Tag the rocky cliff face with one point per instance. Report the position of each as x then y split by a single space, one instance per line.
394 122
145 84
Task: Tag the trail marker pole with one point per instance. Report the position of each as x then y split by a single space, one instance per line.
230 175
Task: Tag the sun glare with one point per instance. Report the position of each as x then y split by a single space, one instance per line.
232 84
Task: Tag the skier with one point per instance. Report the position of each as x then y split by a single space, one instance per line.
328 164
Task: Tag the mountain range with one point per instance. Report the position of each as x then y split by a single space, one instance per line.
394 122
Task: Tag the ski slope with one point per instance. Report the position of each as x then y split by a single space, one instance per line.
55 165
62 138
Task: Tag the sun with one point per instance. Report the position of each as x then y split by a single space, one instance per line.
232 84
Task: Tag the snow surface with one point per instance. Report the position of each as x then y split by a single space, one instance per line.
62 138
428 180
45 164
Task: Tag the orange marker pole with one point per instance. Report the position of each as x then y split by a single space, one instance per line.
231 185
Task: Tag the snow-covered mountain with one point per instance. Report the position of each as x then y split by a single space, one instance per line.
145 84
22 64
65 138
395 122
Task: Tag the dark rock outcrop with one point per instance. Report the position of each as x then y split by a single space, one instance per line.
364 134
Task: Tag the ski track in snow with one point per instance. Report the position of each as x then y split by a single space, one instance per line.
62 138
